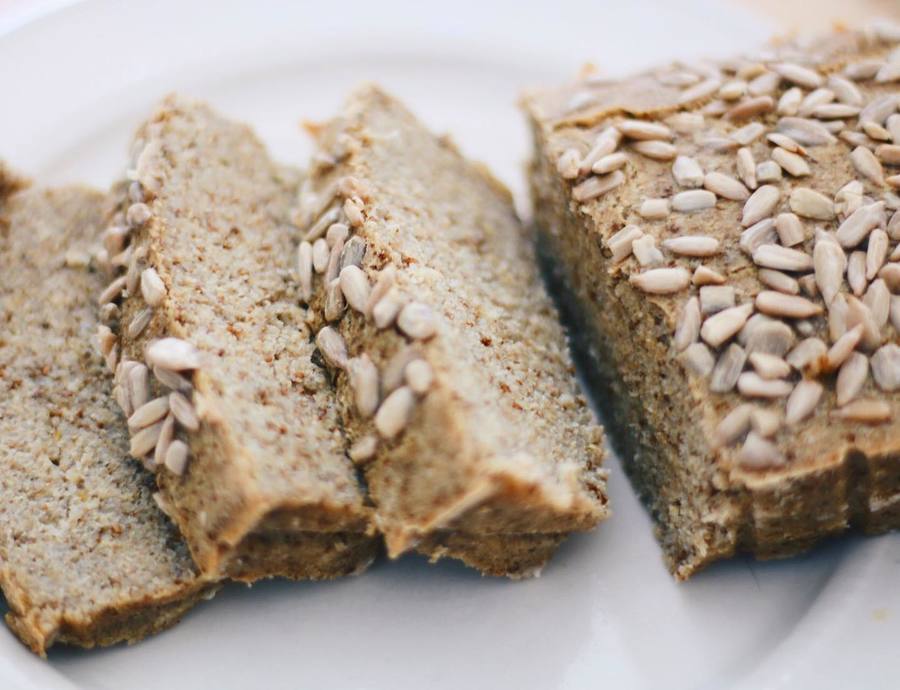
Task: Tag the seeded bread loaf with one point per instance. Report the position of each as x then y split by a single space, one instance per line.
730 235
86 556
452 371
241 428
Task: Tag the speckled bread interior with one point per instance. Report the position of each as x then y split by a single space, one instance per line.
206 255
87 557
726 238
453 375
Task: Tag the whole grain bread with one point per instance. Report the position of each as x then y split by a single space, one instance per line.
730 234
86 556
453 374
240 426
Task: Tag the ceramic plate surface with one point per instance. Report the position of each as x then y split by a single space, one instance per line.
76 79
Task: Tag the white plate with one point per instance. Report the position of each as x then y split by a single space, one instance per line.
76 81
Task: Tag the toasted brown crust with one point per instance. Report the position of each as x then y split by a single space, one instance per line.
706 503
268 484
87 557
500 456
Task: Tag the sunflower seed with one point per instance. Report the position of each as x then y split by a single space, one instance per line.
643 130
747 134
815 99
320 254
679 79
385 311
331 345
419 376
733 426
878 300
769 366
144 440
148 413
785 142
829 262
166 434
894 181
802 401
858 313
765 83
865 411
687 172
686 123
173 354
834 111
765 422
655 149
692 245
843 346
866 164
725 186
337 234
363 377
324 221
760 205
620 244
715 298
767 172
352 253
139 322
106 339
153 289
861 71
778 281
752 385
895 312
417 320
112 358
888 153
394 413
334 263
768 336
809 203
728 367
893 127
355 287
791 162
857 139
305 269
750 107
888 72
353 210
806 352
790 229
875 132
856 273
606 143
789 103
596 186
886 367
177 457
693 200
335 304
703 275
112 291
782 258
385 281
757 235
172 380
661 281
780 304
607 164
805 132
567 164
646 252
699 91
757 453
137 215
851 377
845 90
799 75
746 167
364 449
726 323
860 223
719 144
183 411
733 90
654 209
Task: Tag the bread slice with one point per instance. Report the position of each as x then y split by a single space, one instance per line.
86 557
452 371
240 426
730 234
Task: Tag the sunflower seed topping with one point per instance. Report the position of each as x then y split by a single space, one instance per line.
842 348
746 167
567 164
753 385
607 164
878 300
757 235
802 401
728 368
724 324
177 457
867 165
355 287
655 149
886 367
335 304
865 411
699 91
183 411
144 440
662 281
148 413
790 229
363 377
851 378
693 200
733 426
805 132
646 252
654 209
782 258
605 143
791 306
715 298
687 172
173 354
799 75
725 186
751 107
768 172
620 244
789 103
331 345
692 245
856 273
385 311
792 163
166 434
703 275
305 269
417 321
320 254
644 130
829 262
760 205
394 413
757 453
597 185
419 376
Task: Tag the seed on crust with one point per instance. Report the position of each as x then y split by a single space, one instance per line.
842 348
878 300
875 131
725 186
765 421
322 224
352 253
845 90
148 413
858 313
753 385
417 320
112 291
785 142
726 323
790 229
331 345
866 164
835 111
798 74
895 312
829 262
789 103
782 258
355 286
693 200
687 172
851 378
746 167
363 377
733 426
715 298
353 209
750 107
305 269
747 134
184 411
394 413
757 235
337 234
886 367
139 322
177 457
137 215
778 281
876 252
385 311
606 143
791 306
335 304
607 164
364 449
166 434
655 149
757 453
698 359
692 245
768 172
861 71
643 130
728 367
567 164
856 273
387 276
805 132
760 205
764 334
597 185
646 252
153 289
620 244
809 203
654 209
764 83
888 153
890 273
889 71
320 254
144 440
137 385
662 281
419 376
769 366
793 164
174 354
699 91
802 401
704 275
865 411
